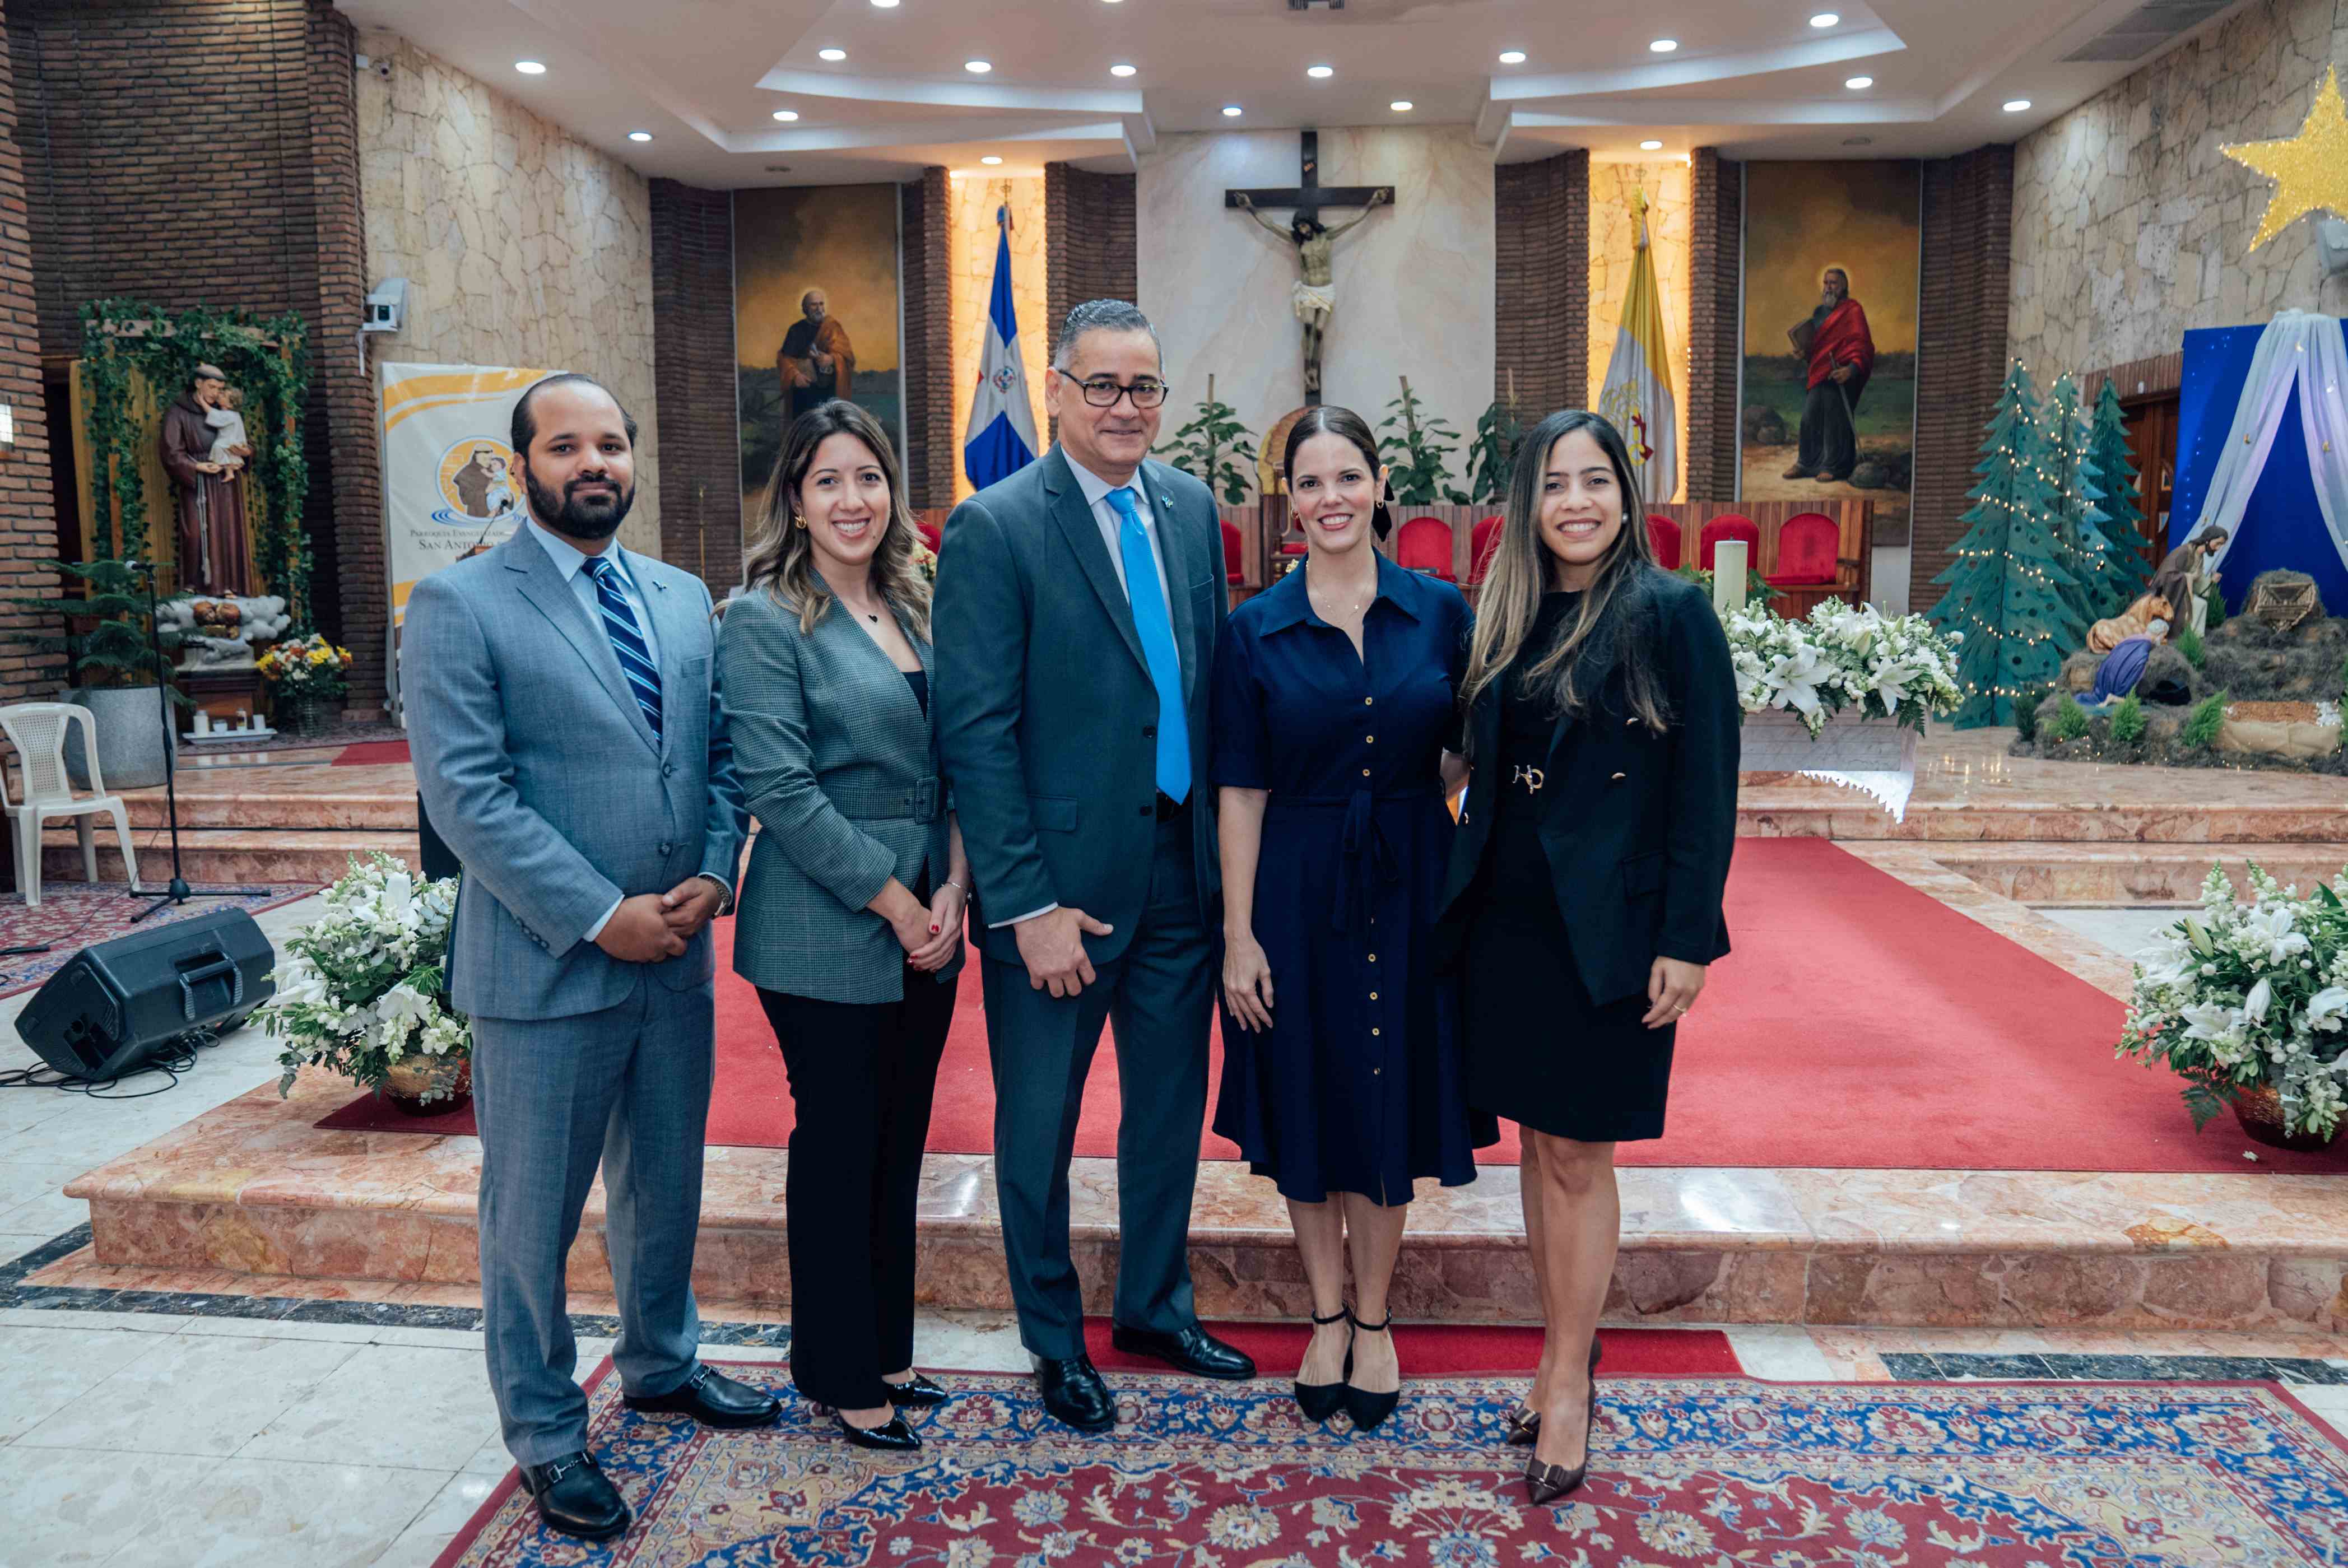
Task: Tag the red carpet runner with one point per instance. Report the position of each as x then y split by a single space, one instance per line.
1860 1023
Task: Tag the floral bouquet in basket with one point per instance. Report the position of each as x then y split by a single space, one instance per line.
2244 997
1842 657
305 666
362 991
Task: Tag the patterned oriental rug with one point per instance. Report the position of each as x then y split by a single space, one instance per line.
1704 1471
74 915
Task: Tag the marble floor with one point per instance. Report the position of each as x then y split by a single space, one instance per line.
185 1432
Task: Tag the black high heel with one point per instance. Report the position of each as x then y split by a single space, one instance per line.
1524 1421
892 1436
1319 1401
1367 1408
1545 1483
917 1393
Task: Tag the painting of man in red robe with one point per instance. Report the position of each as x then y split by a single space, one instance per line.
1841 354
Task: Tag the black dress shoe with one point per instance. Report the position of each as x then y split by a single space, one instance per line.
892 1436
1191 1350
576 1498
1074 1393
712 1398
917 1393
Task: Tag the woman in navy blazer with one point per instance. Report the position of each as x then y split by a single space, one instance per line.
1584 893
850 917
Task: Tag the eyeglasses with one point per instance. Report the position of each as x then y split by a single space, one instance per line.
1102 393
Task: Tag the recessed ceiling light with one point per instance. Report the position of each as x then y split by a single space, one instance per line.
1858 84
2016 106
530 67
1512 57
1651 145
1825 19
640 136
786 114
1402 106
1231 110
834 56
990 160
884 5
978 67
1318 72
1122 70
1664 45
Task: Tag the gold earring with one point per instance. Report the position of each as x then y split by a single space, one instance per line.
798 521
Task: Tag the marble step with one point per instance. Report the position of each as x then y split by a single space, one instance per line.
218 855
1811 809
2091 873
208 803
253 1188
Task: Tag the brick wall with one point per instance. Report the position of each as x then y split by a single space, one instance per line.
28 516
1959 342
205 152
694 382
933 445
1090 244
1714 309
1540 282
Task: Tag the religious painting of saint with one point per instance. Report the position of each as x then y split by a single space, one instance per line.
816 289
1832 258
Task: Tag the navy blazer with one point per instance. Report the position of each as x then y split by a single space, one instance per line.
1637 828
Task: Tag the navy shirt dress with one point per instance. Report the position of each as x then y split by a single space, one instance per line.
1358 1086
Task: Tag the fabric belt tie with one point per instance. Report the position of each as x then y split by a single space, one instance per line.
1369 863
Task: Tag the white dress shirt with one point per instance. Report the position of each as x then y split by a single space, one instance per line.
571 562
1112 527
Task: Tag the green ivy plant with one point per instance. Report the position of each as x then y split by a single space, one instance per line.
1210 448
266 357
1417 455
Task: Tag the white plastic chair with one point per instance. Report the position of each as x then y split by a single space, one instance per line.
37 731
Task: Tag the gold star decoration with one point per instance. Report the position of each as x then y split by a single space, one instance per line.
2310 170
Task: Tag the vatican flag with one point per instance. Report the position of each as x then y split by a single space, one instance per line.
1637 397
1001 439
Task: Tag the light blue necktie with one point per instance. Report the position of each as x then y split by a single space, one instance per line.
627 639
1155 625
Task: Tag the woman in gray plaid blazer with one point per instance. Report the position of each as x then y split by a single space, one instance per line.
850 916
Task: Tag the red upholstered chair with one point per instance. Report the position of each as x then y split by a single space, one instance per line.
1424 545
1808 547
1664 535
1730 525
932 533
1234 570
1482 540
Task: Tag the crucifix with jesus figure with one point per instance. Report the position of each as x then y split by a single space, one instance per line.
1315 295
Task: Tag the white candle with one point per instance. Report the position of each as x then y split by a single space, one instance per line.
203 722
1728 575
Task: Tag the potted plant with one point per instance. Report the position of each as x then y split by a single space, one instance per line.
2249 1004
363 990
305 682
1210 448
112 660
1417 453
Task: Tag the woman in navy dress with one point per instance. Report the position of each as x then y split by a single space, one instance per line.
1341 1072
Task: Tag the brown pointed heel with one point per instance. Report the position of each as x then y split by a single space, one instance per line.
1524 1421
1547 1483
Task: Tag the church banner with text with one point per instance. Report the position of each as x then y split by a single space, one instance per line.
1832 262
450 480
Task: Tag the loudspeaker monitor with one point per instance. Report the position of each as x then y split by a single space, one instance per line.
117 1003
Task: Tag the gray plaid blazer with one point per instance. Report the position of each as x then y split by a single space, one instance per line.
840 767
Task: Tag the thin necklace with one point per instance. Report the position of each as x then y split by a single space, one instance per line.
1356 606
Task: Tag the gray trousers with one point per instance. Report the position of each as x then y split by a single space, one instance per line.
1159 994
628 1086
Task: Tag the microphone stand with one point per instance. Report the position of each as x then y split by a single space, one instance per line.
178 892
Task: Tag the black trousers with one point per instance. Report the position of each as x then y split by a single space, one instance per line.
1828 443
861 1079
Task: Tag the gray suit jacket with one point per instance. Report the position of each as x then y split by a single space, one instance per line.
541 773
1047 717
839 766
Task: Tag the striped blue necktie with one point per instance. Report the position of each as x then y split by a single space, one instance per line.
627 640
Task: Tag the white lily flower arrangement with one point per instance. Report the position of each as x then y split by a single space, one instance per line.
2239 995
1843 657
361 987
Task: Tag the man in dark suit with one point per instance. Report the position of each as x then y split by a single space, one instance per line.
1078 607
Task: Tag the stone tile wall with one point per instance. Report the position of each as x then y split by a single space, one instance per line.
932 444
693 381
2131 227
1540 282
521 245
1715 309
1668 184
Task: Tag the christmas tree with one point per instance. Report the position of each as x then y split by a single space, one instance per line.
2125 571
2086 551
2006 587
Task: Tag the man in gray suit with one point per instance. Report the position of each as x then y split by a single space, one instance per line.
571 749
1078 607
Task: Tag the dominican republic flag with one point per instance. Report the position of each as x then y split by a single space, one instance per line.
1002 436
1637 395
